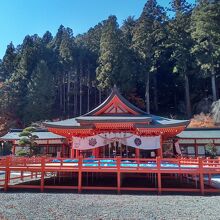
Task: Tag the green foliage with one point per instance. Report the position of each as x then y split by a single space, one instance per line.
41 94
28 140
108 70
211 150
163 60
205 30
205 27
22 153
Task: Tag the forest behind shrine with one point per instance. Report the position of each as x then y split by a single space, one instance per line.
166 62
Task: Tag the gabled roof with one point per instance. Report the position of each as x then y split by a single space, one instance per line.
116 109
116 104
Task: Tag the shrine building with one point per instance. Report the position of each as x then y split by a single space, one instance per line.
118 128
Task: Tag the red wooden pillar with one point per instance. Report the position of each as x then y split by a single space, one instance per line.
97 152
72 153
159 185
77 153
7 173
137 152
80 174
118 175
201 176
159 153
13 149
94 152
42 174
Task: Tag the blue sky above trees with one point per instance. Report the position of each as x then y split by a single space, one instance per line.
23 17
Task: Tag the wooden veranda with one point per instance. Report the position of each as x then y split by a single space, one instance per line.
155 170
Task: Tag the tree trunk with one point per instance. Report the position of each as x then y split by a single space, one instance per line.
80 89
88 89
100 96
68 94
80 96
75 94
147 94
95 96
214 93
64 95
61 94
155 93
187 97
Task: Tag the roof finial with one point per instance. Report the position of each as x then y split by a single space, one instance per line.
115 89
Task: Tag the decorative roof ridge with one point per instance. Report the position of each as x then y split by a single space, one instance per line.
115 92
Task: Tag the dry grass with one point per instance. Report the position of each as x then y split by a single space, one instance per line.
202 121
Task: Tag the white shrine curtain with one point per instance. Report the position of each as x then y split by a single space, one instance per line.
141 142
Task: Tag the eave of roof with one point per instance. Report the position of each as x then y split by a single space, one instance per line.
204 133
41 136
117 119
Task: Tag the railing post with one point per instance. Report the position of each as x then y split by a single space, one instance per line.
7 173
201 177
42 174
118 174
159 185
80 164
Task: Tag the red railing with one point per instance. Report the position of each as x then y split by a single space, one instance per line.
38 167
111 163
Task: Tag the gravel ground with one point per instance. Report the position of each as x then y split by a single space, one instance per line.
31 205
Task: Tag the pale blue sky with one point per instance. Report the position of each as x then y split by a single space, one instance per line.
22 17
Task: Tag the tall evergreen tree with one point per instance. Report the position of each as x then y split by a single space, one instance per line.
9 63
205 27
181 42
40 96
148 39
110 52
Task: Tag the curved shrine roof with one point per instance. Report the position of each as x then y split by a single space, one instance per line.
117 109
